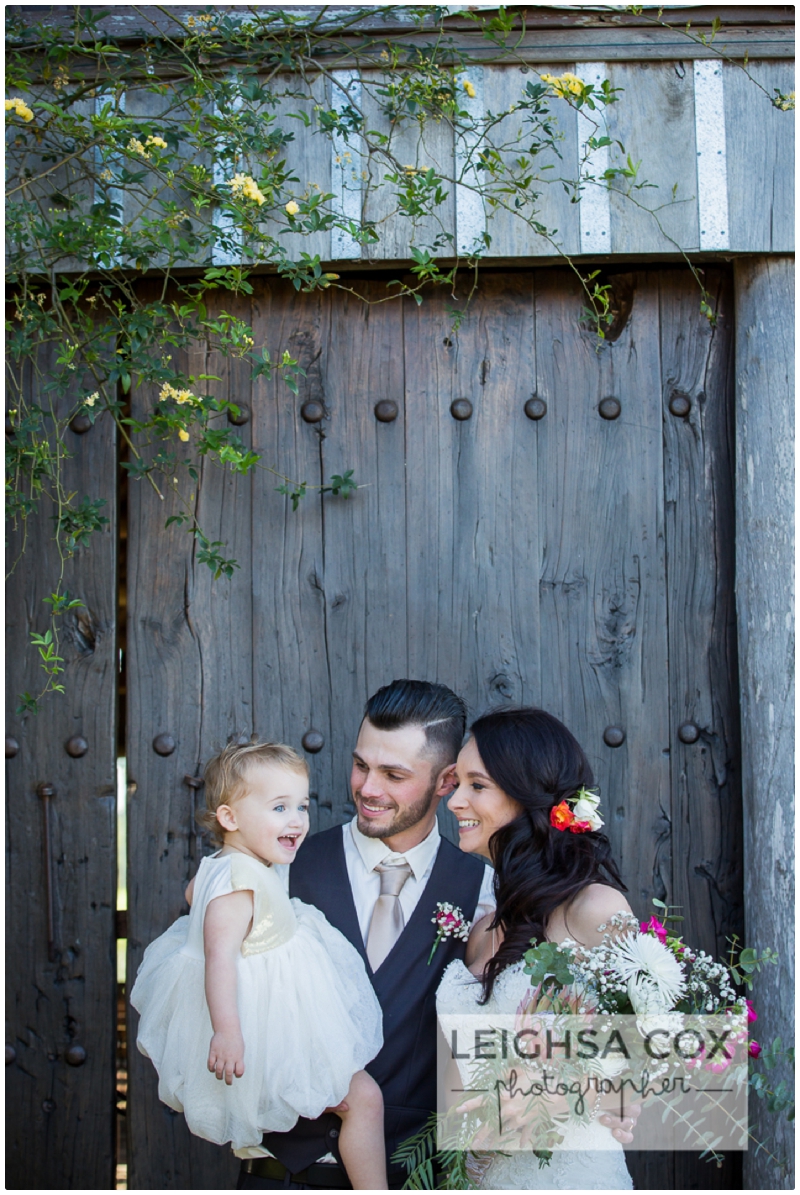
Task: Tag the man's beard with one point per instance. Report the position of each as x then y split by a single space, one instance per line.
404 819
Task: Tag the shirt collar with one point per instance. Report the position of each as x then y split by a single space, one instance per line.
373 851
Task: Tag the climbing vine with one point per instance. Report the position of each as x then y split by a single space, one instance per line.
165 155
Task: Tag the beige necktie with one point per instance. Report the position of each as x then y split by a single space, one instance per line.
387 917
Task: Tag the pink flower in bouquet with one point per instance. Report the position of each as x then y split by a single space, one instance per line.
654 926
752 1015
754 1049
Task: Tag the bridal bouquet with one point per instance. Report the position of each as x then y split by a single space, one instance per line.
647 977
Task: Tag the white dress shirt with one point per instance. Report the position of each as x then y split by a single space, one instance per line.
362 855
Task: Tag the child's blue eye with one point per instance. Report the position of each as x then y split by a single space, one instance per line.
279 808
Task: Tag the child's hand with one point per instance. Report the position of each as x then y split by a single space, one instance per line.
226 1056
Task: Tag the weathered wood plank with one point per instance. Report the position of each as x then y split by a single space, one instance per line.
760 159
308 157
472 496
662 94
603 614
364 536
697 364
291 680
765 617
412 143
747 28
170 662
511 236
59 1130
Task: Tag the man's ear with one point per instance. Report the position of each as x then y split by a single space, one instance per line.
447 781
226 817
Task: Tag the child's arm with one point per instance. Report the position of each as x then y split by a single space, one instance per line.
227 921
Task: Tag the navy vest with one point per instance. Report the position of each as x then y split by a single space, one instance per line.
404 984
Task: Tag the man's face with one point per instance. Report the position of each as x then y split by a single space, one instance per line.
396 786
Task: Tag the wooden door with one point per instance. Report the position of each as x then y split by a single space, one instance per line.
61 877
581 560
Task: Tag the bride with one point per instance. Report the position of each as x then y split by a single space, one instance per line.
516 767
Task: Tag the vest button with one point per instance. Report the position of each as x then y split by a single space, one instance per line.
333 1134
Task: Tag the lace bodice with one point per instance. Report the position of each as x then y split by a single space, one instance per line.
589 1158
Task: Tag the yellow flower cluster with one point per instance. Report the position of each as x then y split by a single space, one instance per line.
181 396
468 87
135 146
183 435
292 208
243 184
564 85
159 142
20 108
91 400
784 102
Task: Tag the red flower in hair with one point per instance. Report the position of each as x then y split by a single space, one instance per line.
561 816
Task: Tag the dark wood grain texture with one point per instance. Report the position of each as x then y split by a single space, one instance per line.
765 615
291 679
472 551
179 685
69 1000
697 362
603 616
365 534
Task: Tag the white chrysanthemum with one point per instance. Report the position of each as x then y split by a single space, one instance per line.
642 958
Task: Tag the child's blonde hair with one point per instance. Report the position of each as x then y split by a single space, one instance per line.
225 776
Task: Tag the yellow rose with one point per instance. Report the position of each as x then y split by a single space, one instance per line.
470 90
182 435
292 208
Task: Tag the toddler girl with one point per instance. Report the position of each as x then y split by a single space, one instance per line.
281 995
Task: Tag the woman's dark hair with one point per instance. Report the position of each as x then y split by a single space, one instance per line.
537 762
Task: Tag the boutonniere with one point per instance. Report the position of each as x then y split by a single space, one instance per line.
450 923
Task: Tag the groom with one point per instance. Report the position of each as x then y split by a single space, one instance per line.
378 879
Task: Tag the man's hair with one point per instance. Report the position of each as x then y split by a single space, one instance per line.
225 775
435 708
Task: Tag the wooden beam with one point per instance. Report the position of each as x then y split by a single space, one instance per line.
764 559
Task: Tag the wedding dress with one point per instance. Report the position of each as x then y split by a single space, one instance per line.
589 1157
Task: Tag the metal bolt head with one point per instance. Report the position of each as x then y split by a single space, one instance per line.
194 782
75 1056
610 408
12 746
11 1055
48 1105
163 744
76 746
689 732
312 411
535 408
45 791
386 410
461 409
243 416
80 424
680 405
313 742
613 736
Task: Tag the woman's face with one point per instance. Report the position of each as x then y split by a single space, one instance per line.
480 806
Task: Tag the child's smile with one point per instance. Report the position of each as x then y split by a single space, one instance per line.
270 820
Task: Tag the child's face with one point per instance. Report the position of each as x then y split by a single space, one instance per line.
270 819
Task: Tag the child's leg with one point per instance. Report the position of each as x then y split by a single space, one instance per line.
361 1141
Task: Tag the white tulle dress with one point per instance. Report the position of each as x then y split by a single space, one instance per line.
309 1016
588 1159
